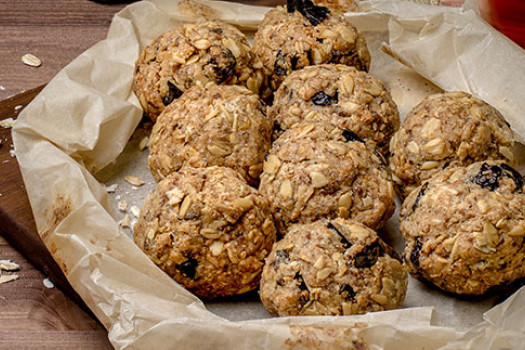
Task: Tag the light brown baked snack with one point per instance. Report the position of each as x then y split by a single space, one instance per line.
208 229
221 125
338 94
332 267
316 170
338 5
193 54
464 228
288 41
447 130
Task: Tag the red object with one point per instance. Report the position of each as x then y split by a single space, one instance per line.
507 16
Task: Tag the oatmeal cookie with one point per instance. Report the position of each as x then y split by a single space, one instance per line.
221 125
316 170
193 54
464 228
287 40
338 94
208 229
332 267
447 130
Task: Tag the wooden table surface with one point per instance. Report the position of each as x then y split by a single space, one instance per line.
32 315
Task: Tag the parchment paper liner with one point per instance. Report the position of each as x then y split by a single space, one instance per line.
86 114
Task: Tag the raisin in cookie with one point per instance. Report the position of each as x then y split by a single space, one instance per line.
332 267
288 40
220 125
208 229
464 228
338 94
447 130
193 54
316 170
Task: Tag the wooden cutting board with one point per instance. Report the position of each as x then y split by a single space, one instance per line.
17 225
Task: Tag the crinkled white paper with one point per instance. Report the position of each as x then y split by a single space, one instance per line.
83 119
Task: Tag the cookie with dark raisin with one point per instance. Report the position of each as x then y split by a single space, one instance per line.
332 267
317 170
464 228
302 34
208 229
340 95
193 54
227 127
447 130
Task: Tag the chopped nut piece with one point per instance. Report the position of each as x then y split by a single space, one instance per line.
216 248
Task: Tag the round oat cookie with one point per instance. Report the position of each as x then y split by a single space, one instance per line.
464 228
208 229
332 267
316 170
447 130
338 94
221 125
290 41
193 54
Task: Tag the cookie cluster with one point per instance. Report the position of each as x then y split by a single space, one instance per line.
462 219
236 173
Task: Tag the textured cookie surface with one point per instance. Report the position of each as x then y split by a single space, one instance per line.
208 229
464 228
332 267
447 130
194 54
340 95
289 41
316 170
219 125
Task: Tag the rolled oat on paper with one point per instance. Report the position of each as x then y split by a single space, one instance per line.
84 118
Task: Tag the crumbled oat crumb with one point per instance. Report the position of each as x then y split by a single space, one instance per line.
144 143
47 283
2 88
12 153
135 210
8 265
122 205
111 188
134 180
18 107
125 222
7 123
31 60
8 278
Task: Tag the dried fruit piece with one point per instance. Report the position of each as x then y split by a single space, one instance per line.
368 256
488 176
322 99
188 268
414 254
352 136
419 195
346 243
173 93
347 292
